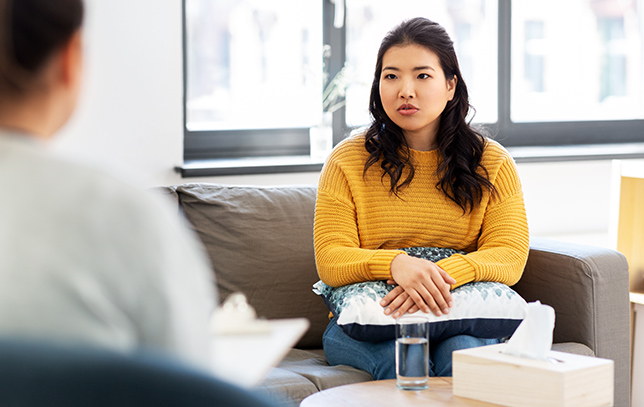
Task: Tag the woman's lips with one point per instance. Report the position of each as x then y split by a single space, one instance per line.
407 110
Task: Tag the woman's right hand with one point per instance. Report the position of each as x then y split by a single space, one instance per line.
424 283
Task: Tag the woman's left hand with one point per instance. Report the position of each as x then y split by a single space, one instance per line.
399 301
423 282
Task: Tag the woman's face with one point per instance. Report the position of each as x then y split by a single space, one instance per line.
414 90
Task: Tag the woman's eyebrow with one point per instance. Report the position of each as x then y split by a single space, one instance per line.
418 68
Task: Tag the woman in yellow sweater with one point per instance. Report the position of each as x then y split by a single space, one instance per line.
420 176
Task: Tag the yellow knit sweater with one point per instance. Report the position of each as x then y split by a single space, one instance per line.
359 223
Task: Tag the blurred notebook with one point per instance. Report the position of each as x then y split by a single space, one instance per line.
244 357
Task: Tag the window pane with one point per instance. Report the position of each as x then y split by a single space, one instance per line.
577 60
472 25
253 64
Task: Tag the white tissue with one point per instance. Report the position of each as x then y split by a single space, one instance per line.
533 338
235 317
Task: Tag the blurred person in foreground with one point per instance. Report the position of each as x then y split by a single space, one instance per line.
83 258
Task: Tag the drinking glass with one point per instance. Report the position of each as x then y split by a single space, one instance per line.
412 353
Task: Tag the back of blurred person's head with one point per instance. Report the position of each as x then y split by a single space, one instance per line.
34 36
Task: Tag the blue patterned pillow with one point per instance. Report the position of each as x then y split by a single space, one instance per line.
482 309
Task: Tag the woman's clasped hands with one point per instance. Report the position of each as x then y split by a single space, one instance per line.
422 285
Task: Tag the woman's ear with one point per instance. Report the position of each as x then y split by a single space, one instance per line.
451 86
64 82
71 61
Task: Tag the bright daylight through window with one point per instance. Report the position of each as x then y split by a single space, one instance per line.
253 63
589 69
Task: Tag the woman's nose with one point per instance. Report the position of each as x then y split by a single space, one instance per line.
407 91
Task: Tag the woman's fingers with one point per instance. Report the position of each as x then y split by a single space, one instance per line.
426 283
444 283
394 300
435 292
398 302
395 305
446 277
406 306
391 296
434 302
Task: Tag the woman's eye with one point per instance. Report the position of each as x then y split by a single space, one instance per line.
423 76
390 76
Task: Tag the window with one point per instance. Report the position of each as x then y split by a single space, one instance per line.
534 51
253 74
571 80
258 73
589 73
615 59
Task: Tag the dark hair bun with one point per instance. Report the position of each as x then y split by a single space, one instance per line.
30 32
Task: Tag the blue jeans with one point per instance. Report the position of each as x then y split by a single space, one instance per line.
378 358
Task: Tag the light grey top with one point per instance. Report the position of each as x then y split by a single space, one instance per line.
84 257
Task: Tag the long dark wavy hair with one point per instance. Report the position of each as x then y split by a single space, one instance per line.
31 31
459 144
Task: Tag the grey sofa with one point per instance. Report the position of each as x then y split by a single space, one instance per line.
260 241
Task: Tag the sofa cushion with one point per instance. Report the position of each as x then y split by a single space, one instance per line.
573 347
313 366
304 372
260 242
286 388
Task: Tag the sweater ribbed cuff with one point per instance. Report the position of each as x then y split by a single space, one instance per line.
457 267
380 263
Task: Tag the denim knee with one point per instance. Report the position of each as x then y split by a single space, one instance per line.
376 358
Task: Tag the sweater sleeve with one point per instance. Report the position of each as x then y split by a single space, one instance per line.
339 258
503 244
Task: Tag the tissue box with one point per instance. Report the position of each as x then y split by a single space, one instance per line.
563 380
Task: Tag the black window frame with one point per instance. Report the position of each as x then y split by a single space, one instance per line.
286 150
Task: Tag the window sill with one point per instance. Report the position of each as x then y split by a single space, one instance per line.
287 164
578 152
249 165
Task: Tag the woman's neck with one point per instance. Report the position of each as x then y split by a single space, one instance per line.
28 116
420 142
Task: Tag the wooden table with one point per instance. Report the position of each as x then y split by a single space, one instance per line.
385 393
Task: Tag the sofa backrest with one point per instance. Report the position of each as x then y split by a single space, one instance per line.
260 242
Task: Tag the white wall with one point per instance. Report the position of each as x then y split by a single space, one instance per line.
130 113
566 199
130 119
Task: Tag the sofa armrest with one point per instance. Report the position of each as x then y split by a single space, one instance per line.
589 289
